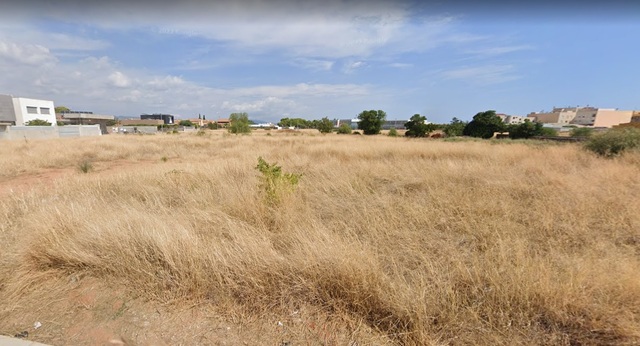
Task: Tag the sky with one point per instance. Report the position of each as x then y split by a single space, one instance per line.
314 59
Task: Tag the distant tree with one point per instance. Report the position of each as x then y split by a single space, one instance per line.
416 126
371 121
295 122
111 122
185 123
239 123
393 132
37 122
483 125
549 132
212 125
325 125
582 132
525 130
344 129
62 109
615 141
455 127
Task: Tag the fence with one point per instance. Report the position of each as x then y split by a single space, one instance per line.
47 132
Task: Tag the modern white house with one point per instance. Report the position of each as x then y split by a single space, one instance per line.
17 111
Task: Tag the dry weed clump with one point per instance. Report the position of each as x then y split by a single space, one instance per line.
421 241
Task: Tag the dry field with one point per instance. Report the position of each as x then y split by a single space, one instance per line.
170 240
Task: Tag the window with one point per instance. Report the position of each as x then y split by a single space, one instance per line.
44 110
32 110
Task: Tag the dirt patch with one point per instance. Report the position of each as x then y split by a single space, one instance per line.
90 312
47 177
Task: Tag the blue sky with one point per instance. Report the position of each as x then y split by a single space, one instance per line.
275 59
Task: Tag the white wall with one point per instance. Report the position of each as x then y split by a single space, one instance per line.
20 105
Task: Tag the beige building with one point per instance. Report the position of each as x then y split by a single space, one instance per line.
562 116
513 119
585 116
611 117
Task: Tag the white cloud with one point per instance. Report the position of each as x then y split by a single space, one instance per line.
493 51
25 54
119 80
400 65
483 75
314 64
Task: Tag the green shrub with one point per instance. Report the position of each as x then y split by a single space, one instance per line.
548 132
393 132
325 125
239 123
274 183
614 142
582 132
85 166
344 129
37 122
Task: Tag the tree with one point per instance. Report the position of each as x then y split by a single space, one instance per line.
527 129
455 127
185 123
239 123
295 122
62 109
344 129
549 132
484 125
582 132
371 121
416 126
37 122
393 132
212 125
325 125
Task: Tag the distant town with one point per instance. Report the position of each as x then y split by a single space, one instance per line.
22 117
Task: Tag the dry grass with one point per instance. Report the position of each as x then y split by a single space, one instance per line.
385 239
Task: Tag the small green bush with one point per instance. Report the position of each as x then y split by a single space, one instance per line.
85 166
393 132
344 129
274 183
582 132
614 142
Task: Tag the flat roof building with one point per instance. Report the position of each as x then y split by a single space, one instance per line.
168 119
19 111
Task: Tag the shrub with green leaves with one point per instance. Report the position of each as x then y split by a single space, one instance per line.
393 132
614 142
37 122
344 129
582 132
276 184
85 166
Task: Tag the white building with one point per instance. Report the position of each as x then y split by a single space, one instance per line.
20 110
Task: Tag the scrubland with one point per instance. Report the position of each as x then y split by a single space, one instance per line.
169 239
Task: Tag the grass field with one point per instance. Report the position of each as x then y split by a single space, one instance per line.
170 239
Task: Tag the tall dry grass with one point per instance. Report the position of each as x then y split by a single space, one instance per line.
426 242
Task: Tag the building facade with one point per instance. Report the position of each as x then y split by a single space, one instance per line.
584 116
18 111
168 119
